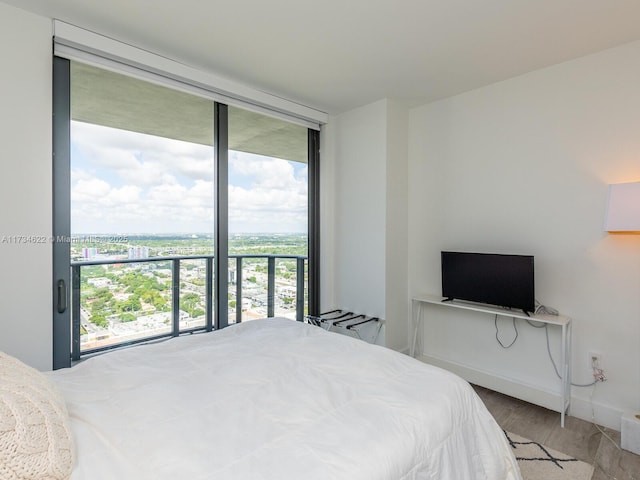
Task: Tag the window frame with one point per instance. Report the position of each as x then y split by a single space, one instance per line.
64 342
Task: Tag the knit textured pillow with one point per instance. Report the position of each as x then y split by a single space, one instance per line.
35 438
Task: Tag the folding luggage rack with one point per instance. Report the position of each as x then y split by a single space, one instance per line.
348 322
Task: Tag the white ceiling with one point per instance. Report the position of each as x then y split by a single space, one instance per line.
336 55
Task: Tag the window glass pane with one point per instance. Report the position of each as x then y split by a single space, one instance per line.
254 298
193 294
124 302
141 189
268 212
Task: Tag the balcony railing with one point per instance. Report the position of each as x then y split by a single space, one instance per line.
174 321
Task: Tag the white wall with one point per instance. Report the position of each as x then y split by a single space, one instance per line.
25 186
397 243
327 214
364 212
522 166
359 194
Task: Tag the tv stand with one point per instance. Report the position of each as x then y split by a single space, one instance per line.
554 400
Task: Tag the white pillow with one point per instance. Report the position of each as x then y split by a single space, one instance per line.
35 438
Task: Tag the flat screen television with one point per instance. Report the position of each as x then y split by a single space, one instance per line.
494 279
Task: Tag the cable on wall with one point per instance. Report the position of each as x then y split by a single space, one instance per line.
515 328
549 311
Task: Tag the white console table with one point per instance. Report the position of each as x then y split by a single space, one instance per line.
558 401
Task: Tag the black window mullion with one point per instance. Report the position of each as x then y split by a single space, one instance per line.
314 221
238 289
175 317
209 290
221 214
300 289
271 285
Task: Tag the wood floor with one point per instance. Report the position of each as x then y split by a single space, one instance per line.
579 438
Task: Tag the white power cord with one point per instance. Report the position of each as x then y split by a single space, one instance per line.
593 418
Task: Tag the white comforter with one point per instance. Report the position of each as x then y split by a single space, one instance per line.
279 400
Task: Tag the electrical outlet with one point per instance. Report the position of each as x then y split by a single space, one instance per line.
595 360
595 364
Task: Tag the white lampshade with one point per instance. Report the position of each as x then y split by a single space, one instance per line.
623 208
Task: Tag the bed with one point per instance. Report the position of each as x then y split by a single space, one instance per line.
275 399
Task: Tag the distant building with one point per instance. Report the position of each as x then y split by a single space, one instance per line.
89 253
287 291
138 252
100 282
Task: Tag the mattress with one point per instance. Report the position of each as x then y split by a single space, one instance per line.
276 399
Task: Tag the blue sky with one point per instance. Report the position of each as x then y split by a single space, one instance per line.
127 182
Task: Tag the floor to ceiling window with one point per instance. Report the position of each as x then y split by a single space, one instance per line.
141 188
268 215
155 192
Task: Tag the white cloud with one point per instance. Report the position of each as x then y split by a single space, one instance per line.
89 190
162 209
144 159
275 199
127 195
126 182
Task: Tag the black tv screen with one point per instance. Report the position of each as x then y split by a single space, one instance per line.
494 279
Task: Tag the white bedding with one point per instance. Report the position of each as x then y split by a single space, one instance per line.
277 399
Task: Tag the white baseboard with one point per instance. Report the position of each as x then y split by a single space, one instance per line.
580 408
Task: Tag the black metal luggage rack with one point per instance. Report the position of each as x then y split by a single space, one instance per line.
348 322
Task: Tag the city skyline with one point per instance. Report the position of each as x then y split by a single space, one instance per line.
123 301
